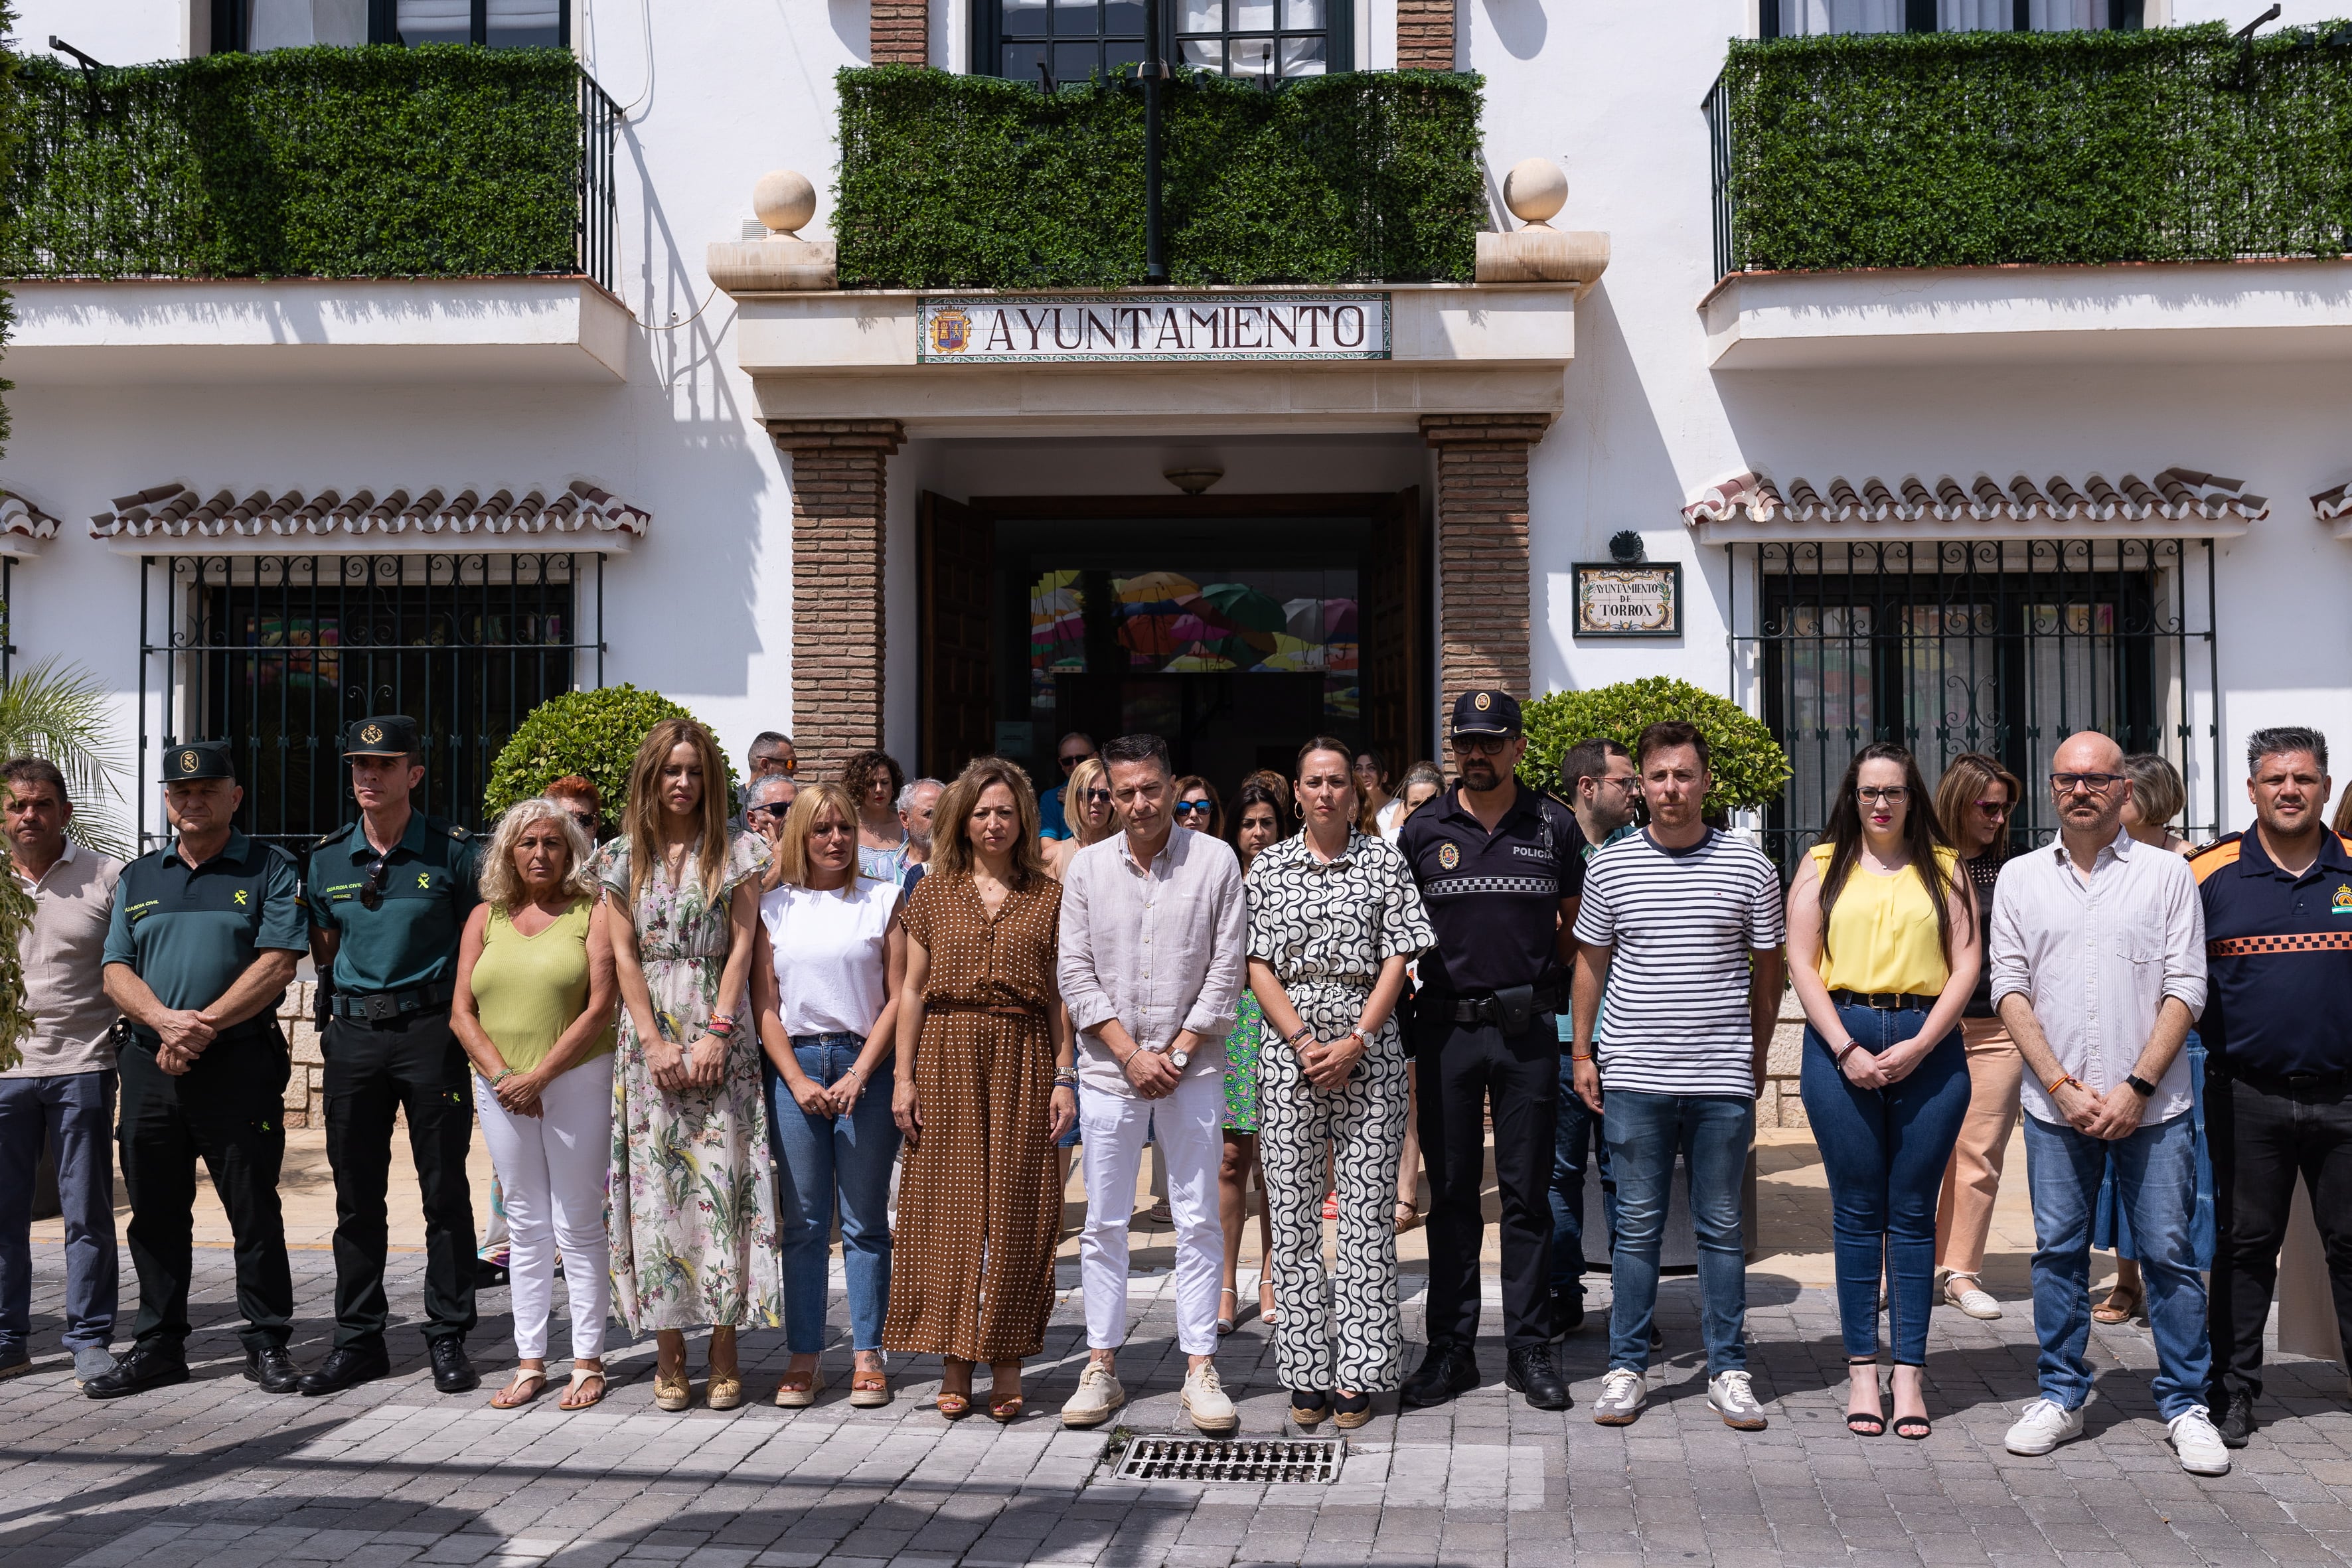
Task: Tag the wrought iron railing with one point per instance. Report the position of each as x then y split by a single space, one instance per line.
275 654
2005 647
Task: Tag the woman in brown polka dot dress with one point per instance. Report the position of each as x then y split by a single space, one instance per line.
984 1085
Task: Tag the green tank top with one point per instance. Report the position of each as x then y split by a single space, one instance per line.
529 989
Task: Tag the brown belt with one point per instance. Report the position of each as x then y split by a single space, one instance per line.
983 1008
2302 941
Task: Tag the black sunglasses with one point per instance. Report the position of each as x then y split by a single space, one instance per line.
1069 763
371 890
1192 807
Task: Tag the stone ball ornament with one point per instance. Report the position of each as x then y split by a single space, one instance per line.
783 200
1535 190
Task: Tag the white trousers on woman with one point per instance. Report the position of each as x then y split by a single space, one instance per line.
1189 1125
551 1170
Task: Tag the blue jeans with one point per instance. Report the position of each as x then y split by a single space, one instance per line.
80 1108
2156 1171
1576 1139
819 1158
1884 1151
1643 1133
2111 1227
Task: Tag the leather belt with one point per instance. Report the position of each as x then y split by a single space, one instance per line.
389 1006
2290 1083
1000 1011
1884 1001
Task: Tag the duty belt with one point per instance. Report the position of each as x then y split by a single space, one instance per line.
1884 1001
1485 1008
388 1006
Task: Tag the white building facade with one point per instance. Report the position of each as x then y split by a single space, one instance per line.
1972 507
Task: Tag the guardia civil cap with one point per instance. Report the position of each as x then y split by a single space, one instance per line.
197 760
382 735
1486 711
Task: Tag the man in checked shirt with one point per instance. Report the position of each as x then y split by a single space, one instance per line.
2278 1022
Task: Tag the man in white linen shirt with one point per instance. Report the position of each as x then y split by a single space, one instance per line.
2097 946
1155 930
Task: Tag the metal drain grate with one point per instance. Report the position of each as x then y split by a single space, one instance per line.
1232 1460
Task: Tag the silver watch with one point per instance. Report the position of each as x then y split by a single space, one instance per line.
1181 1059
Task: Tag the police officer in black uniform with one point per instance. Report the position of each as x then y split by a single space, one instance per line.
389 897
1500 867
205 934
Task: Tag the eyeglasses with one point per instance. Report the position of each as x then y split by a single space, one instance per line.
587 822
1994 807
372 889
1074 760
2097 784
1482 745
1194 808
1887 795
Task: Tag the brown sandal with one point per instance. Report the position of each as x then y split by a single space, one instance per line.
1006 1410
869 1390
2109 1313
1408 1216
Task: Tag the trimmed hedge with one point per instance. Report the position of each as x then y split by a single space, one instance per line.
595 734
1973 149
378 161
975 182
1749 767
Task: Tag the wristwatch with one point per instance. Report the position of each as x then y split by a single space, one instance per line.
2141 1086
1181 1059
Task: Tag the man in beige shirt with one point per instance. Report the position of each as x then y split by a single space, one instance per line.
63 1091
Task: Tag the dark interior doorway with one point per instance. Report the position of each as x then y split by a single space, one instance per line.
1235 627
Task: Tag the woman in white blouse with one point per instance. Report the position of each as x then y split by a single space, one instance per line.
824 981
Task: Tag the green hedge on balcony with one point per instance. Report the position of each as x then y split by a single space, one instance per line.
974 182
331 163
1970 149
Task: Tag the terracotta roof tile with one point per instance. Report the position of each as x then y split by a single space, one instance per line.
175 512
2174 495
23 518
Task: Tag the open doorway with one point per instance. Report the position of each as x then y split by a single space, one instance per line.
1235 627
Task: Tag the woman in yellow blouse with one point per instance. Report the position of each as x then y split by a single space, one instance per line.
1884 951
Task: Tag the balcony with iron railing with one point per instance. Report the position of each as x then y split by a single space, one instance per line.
374 212
2008 198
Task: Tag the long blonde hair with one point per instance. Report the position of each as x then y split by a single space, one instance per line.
643 812
792 844
502 887
951 852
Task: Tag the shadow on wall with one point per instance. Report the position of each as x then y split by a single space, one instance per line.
1520 24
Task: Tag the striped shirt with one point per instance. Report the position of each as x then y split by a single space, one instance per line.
1683 922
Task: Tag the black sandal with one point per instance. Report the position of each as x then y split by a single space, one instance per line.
1864 1424
1914 1427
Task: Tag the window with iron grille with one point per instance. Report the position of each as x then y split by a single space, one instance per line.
276 653
1811 18
2005 647
1074 41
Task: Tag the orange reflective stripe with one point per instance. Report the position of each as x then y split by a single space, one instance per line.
2302 941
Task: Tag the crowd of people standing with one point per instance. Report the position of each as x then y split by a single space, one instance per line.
691 1046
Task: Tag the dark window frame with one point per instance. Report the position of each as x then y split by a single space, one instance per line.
1919 16
988 40
231 33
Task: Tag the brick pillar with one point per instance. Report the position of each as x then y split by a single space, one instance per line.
839 544
1424 34
899 33
1482 548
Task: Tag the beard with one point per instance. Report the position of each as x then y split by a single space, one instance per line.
1480 773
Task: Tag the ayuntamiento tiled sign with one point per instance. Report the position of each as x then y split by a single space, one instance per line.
1034 328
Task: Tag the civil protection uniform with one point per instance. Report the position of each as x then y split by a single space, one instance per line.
389 1048
1486 1023
189 933
2278 1081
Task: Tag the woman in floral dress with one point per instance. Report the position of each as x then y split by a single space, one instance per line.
693 1207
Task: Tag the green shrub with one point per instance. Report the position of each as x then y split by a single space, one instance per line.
1749 767
593 733
443 161
1975 149
975 182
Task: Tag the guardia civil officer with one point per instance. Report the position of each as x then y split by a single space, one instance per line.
204 936
1500 867
389 897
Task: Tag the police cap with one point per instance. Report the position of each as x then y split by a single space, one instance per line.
197 760
1486 711
382 735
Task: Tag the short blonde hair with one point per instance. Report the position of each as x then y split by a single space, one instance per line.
2156 788
501 887
1084 777
800 818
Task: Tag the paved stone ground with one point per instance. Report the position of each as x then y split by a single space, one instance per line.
216 1474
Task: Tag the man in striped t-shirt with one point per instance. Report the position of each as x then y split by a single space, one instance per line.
1684 925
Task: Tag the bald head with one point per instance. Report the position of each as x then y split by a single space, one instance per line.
2088 787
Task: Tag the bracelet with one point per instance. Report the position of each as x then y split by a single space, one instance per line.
2060 1081
1304 1031
501 1076
721 1024
1574 1058
1065 1075
1837 1058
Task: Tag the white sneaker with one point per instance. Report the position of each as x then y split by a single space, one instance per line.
2046 1424
1734 1399
1971 1297
1622 1394
1098 1394
1205 1401
2199 1447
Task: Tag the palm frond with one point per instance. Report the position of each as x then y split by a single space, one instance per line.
59 712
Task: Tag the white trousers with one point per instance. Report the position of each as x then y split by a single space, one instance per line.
551 1170
1190 1126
